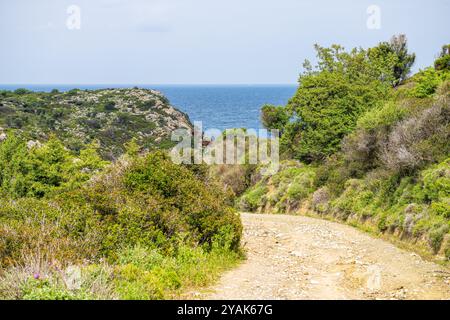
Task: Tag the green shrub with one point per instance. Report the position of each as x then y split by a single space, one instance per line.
48 230
384 116
441 208
427 81
273 117
302 185
150 202
283 191
22 91
144 274
45 169
35 289
436 181
414 205
200 210
161 227
436 235
148 274
253 198
443 62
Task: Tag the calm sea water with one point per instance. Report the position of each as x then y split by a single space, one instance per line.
217 106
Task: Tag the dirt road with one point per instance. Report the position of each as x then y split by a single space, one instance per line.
295 257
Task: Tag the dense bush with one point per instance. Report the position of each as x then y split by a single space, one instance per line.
401 136
414 206
32 169
150 201
418 140
199 207
426 82
60 210
273 117
34 232
284 191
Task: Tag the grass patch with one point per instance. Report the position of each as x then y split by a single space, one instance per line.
138 274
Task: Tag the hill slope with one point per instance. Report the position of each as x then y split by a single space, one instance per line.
111 116
387 168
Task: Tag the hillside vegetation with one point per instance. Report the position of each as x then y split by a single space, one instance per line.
112 117
74 225
92 207
365 144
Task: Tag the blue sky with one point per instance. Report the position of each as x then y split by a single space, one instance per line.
199 41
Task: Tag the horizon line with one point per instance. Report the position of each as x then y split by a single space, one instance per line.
148 84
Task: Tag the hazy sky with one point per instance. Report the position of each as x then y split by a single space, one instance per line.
199 41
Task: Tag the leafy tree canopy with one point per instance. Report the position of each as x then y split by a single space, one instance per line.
332 95
274 117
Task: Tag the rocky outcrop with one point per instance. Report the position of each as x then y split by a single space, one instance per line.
110 116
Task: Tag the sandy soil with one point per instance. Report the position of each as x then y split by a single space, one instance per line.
296 257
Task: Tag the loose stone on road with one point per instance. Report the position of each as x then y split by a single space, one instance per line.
297 257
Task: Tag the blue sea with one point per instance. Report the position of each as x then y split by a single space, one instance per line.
217 106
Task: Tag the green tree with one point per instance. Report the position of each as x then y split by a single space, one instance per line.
41 170
22 91
13 165
443 62
332 96
397 46
132 147
50 167
273 117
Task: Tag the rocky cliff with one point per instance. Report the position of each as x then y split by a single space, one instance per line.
110 116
